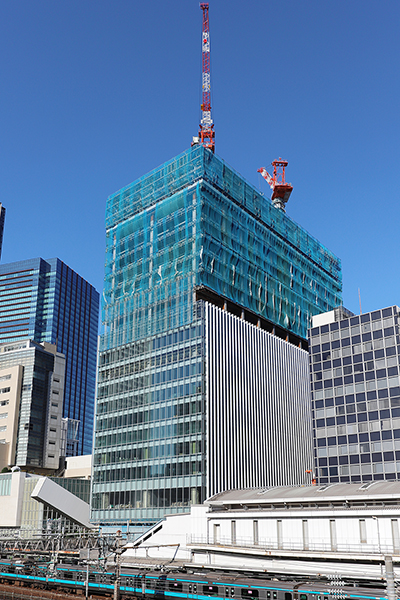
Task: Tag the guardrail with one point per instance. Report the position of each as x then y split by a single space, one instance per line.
298 545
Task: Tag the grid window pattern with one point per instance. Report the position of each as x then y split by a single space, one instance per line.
38 366
150 427
354 366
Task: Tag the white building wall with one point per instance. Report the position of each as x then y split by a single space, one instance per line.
355 525
11 502
258 407
318 528
78 466
32 511
171 540
204 537
10 397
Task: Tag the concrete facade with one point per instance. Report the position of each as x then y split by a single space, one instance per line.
10 390
354 367
79 466
11 498
31 405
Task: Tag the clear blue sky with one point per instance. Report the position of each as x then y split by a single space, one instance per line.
95 93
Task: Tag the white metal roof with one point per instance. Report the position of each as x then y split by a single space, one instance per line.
371 491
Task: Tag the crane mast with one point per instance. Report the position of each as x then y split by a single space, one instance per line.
206 128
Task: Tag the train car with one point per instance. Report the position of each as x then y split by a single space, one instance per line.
178 585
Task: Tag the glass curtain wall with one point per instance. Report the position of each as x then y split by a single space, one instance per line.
192 224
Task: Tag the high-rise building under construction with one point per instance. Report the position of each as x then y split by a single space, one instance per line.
203 367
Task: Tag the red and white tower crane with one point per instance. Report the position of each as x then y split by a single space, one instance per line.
281 189
206 128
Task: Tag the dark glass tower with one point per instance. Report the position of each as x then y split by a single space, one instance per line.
46 301
2 221
191 234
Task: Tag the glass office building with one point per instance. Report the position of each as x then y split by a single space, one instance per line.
46 301
191 233
355 361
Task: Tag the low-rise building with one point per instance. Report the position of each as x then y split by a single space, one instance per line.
345 528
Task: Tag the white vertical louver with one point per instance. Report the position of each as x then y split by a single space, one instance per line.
258 407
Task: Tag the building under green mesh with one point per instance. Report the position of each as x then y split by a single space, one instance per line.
194 223
191 232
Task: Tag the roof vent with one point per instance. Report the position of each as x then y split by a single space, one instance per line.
325 487
268 489
366 486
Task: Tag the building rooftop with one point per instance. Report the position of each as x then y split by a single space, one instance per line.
316 494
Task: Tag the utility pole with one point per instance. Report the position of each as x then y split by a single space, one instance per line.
118 552
87 579
379 543
55 549
390 589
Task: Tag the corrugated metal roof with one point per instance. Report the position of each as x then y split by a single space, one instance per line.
330 492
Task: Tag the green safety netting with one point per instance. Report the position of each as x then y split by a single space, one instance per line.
194 222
